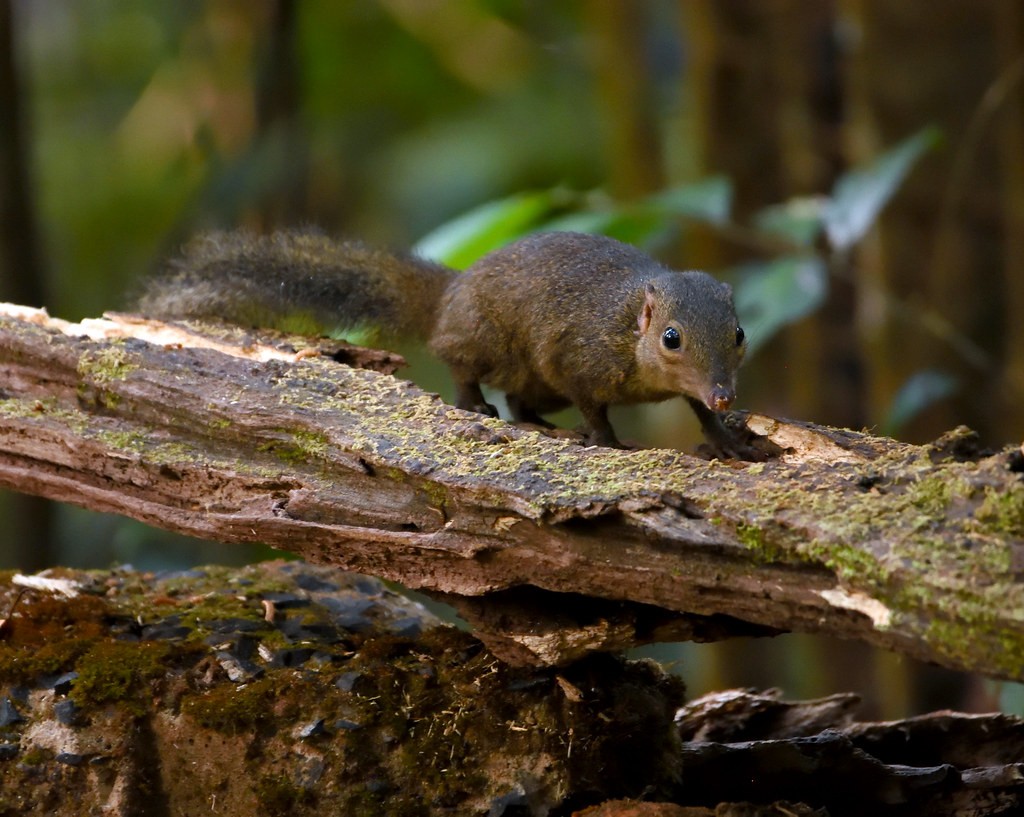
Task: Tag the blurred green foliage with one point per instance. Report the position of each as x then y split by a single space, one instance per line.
146 123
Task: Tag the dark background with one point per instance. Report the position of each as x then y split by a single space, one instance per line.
126 127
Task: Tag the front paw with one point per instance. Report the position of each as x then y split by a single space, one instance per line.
731 439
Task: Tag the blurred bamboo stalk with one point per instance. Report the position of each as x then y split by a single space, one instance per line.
626 89
28 541
876 331
278 118
1009 34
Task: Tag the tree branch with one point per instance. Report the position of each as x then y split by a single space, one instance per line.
550 549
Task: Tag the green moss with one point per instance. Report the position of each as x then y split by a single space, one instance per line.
966 639
314 446
300 448
220 605
35 757
178 454
1002 512
118 671
34 409
436 494
26 408
130 441
931 495
851 564
277 795
231 709
26 664
549 468
108 364
49 634
752 537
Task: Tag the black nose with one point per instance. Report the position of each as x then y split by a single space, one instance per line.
720 398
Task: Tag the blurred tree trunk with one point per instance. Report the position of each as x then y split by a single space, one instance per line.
28 539
279 124
620 58
792 92
22 269
820 350
1009 25
727 81
876 332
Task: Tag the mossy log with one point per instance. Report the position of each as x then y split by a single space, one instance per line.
294 689
549 548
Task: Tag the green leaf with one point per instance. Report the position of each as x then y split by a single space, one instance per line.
633 226
921 390
797 221
708 200
860 194
597 222
464 239
774 294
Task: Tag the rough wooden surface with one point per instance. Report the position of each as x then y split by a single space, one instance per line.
550 549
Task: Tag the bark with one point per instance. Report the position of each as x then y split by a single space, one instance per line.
552 550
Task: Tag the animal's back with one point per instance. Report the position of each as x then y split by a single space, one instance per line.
547 308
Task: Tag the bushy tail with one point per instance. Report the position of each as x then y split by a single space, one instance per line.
302 281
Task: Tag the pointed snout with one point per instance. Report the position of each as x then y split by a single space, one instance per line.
720 398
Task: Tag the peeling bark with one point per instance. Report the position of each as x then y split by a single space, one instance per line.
551 549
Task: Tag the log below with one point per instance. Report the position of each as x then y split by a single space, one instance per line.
292 689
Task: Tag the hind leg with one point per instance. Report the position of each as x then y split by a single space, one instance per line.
469 398
524 412
599 430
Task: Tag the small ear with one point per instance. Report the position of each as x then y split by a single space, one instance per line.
643 320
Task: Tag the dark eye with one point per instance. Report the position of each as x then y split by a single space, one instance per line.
740 335
670 338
